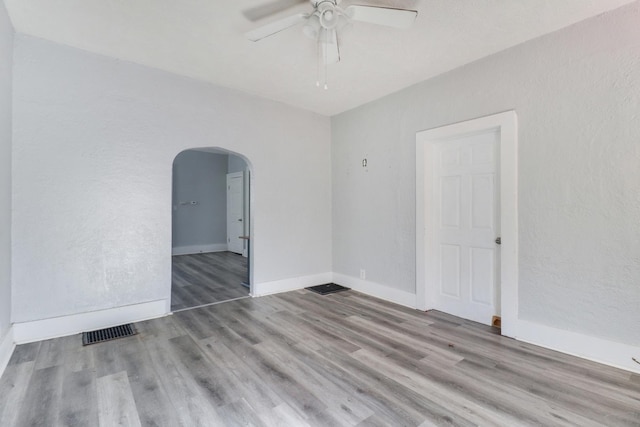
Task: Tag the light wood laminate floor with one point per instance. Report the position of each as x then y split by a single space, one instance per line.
301 359
207 278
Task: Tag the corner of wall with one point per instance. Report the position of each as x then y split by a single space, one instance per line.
7 41
293 284
7 345
377 290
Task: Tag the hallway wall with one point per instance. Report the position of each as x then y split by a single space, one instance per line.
199 177
6 65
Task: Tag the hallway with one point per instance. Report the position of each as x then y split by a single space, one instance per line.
207 278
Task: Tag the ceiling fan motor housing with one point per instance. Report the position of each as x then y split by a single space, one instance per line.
325 20
328 14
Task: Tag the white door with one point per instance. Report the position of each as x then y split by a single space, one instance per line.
235 217
466 258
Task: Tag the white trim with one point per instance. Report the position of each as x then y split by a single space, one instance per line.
285 285
506 124
377 290
198 249
587 347
37 330
7 345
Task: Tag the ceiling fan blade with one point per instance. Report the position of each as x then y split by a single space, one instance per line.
268 9
330 49
275 27
396 18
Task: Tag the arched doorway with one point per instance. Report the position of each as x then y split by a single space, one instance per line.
210 228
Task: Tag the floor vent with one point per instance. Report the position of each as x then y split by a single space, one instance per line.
108 334
328 288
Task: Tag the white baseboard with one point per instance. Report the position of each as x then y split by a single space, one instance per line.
55 327
7 345
285 285
587 347
377 290
199 249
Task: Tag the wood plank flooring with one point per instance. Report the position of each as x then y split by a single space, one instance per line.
301 359
207 278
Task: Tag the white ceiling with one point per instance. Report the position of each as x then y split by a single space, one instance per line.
204 39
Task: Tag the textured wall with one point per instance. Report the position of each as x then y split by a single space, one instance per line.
94 143
201 177
6 61
577 96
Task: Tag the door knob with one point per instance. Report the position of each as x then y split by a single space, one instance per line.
498 240
240 220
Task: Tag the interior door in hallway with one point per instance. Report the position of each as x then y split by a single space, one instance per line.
466 257
235 212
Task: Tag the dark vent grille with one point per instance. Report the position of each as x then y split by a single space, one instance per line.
328 288
108 334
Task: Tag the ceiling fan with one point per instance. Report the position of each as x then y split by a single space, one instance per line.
323 23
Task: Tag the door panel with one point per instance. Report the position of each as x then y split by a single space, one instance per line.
481 275
235 204
482 191
466 223
450 270
450 190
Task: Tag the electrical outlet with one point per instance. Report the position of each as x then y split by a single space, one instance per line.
363 274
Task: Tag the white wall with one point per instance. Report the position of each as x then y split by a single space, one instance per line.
6 60
199 177
94 141
577 96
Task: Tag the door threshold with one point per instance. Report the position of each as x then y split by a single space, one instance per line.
209 304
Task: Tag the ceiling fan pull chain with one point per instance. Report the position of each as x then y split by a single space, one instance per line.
326 58
318 60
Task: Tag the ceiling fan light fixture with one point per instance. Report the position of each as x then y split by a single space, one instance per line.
312 27
326 22
328 14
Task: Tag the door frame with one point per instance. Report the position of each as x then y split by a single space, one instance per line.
506 124
249 214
